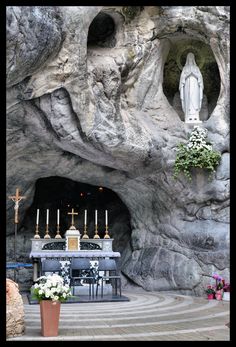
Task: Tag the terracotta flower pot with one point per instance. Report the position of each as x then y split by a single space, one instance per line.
219 295
50 314
210 296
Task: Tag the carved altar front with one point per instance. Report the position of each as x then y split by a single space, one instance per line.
56 249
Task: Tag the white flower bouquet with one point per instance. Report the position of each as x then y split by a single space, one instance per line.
198 152
50 287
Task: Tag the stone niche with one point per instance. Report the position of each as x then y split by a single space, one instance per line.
179 48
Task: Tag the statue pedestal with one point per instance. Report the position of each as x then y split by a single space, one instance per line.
193 121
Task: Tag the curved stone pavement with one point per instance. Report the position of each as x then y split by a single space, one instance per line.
147 316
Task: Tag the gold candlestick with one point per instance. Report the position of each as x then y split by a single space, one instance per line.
96 236
47 236
106 232
85 236
58 236
36 236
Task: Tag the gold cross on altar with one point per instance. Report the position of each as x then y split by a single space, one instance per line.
17 198
72 216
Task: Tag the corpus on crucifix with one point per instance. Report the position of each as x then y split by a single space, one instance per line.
72 218
16 198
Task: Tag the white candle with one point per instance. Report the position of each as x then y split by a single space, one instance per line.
37 217
96 217
85 217
47 221
58 218
106 215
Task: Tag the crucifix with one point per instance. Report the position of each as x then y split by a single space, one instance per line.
72 218
17 198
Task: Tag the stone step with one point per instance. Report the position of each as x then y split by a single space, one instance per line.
147 316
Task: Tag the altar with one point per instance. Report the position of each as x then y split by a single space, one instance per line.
94 249
48 250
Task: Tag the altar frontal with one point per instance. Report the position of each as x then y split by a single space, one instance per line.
72 246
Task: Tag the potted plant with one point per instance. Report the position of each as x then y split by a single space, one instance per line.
50 291
219 286
210 292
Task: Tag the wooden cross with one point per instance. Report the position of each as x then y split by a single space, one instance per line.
17 198
72 216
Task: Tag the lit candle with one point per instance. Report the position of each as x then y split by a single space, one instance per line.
37 217
106 215
96 217
85 217
47 221
58 218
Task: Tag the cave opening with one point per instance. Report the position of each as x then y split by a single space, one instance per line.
102 31
64 194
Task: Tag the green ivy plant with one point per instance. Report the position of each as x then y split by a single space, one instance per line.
197 152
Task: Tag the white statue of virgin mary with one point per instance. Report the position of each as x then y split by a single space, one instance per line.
191 90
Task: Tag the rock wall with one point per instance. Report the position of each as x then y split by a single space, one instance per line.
89 105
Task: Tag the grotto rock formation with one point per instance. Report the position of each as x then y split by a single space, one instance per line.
15 323
96 112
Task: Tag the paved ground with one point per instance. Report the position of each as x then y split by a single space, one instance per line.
147 316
